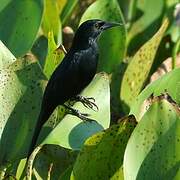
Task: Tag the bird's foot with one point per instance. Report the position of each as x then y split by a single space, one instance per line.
88 102
82 116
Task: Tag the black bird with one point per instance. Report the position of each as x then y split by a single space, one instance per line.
74 73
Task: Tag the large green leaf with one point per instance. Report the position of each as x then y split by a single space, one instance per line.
21 90
51 21
57 157
112 43
139 67
20 21
6 58
71 132
53 157
153 150
169 83
102 155
149 16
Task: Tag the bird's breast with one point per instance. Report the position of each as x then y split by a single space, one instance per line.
88 64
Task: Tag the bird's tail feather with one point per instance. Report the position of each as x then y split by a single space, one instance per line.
43 117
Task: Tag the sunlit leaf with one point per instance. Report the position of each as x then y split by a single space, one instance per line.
61 4
21 87
102 154
6 57
153 150
139 67
51 21
54 56
168 83
20 168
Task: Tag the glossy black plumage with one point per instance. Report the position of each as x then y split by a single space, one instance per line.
74 73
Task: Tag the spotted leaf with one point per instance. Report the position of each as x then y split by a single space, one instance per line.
139 67
153 150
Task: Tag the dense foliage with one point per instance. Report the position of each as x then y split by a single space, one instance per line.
137 90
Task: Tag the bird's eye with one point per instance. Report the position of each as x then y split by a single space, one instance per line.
97 25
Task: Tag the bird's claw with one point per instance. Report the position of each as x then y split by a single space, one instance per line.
82 116
85 118
85 114
88 102
90 98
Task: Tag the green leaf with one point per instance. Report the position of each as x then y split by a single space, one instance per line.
128 8
172 14
61 4
40 48
51 21
71 132
67 10
112 43
6 57
20 168
54 56
139 67
21 87
20 21
153 150
116 80
149 16
4 3
102 154
56 157
170 83
67 174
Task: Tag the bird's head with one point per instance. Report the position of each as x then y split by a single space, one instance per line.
91 29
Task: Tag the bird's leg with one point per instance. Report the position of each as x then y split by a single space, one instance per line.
70 102
88 102
75 112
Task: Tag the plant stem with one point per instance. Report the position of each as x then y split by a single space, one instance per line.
49 171
174 53
30 162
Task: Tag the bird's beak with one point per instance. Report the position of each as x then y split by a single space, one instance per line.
108 25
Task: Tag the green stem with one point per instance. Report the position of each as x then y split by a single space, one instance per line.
174 53
132 8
